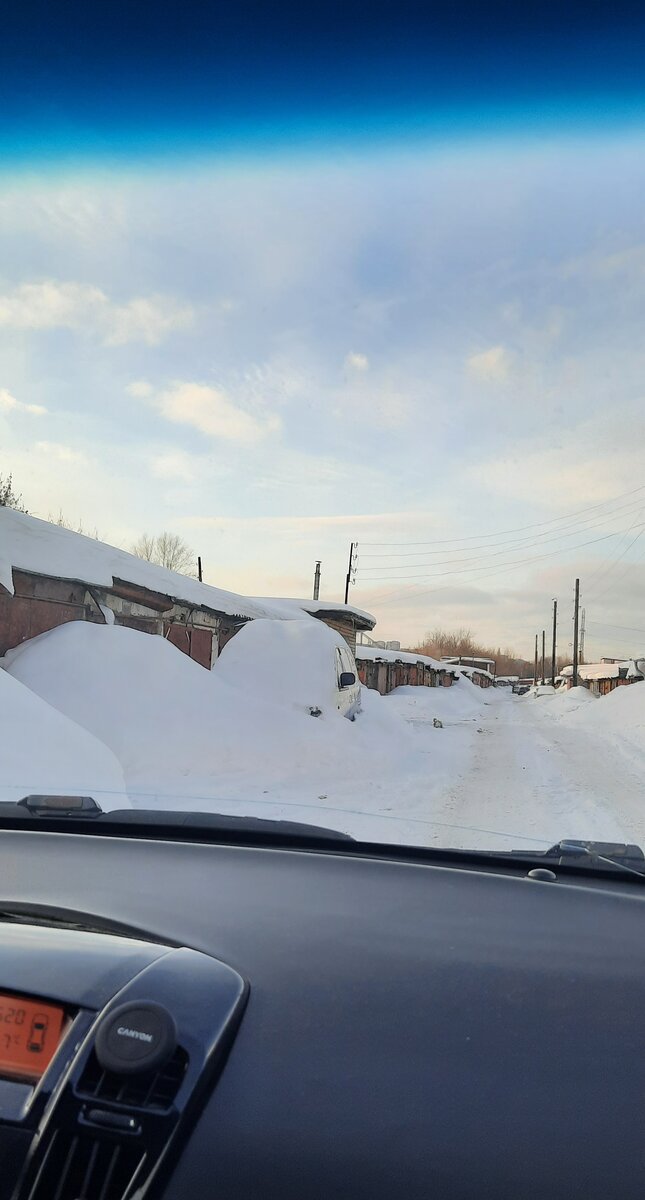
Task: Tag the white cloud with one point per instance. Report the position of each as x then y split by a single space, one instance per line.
490 366
86 309
211 411
175 465
140 389
603 263
144 320
591 461
8 403
60 452
357 362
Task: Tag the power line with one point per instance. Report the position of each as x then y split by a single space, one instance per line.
603 569
518 529
517 563
606 625
510 547
612 583
548 535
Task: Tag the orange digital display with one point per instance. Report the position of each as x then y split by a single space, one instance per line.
29 1035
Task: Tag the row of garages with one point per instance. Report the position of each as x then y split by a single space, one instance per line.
603 677
384 670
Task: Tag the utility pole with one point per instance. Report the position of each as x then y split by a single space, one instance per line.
543 635
583 616
199 569
535 669
555 625
575 633
317 582
351 570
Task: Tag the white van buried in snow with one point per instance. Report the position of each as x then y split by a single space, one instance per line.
300 663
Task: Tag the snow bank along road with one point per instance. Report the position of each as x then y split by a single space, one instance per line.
139 723
528 767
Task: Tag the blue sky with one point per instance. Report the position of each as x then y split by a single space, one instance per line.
278 335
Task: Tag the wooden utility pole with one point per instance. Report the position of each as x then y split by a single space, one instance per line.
543 636
576 608
317 582
535 669
350 569
555 625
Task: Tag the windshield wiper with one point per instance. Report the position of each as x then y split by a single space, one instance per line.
83 811
621 856
83 814
624 855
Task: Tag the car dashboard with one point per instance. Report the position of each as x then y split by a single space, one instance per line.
196 1019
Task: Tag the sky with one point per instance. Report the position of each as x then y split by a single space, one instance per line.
337 294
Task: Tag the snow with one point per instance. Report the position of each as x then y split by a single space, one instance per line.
291 662
572 698
467 660
468 672
461 702
374 654
192 739
41 751
319 606
458 766
618 719
590 671
29 544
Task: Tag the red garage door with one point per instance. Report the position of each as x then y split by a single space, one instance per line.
196 643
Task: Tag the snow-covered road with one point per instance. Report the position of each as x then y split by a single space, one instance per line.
532 774
461 767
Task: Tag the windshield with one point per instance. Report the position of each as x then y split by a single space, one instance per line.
321 417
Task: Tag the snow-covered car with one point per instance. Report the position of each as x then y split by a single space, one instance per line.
302 663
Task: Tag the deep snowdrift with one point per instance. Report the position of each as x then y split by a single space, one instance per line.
286 662
188 738
570 699
619 717
42 751
463 701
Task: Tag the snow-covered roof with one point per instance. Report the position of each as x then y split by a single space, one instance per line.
468 671
362 619
467 660
604 670
28 544
374 654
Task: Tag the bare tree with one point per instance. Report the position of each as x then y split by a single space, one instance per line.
440 641
9 498
77 527
167 550
145 547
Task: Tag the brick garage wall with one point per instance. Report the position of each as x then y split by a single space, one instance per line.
38 605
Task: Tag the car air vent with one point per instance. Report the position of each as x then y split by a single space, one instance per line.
85 1168
151 1090
117 1110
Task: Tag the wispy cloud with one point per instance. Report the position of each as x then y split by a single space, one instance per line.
211 411
82 308
174 466
9 403
60 452
140 389
490 366
357 362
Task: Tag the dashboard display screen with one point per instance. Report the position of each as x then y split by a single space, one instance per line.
29 1035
